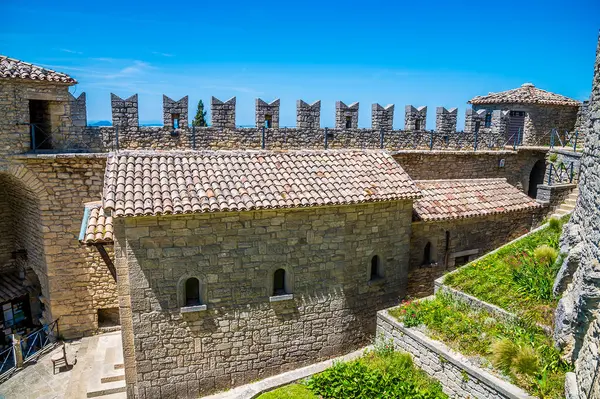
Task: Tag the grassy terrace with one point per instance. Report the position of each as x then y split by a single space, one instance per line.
519 351
382 373
518 277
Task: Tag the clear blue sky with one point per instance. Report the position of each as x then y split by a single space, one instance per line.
434 53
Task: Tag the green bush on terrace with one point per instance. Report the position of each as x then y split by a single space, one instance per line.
514 278
521 351
382 373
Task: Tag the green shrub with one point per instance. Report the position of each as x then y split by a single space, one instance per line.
375 376
526 361
504 352
552 157
555 224
545 254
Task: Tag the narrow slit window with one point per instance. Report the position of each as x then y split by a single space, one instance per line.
279 282
192 292
488 120
375 268
348 122
417 124
268 121
427 254
175 119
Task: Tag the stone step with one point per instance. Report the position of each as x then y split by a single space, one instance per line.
567 207
571 201
119 366
109 388
119 377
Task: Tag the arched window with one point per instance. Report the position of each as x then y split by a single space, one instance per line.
192 292
279 282
375 268
427 254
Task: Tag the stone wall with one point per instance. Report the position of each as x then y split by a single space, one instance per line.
243 336
577 318
475 120
47 221
15 133
78 110
6 227
415 118
432 165
467 239
175 109
267 114
346 116
553 196
222 114
308 116
459 377
125 113
445 120
539 120
382 117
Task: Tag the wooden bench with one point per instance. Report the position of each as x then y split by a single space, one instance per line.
59 359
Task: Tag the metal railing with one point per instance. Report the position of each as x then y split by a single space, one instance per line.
565 140
8 362
39 341
561 173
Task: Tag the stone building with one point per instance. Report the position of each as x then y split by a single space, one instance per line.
533 113
577 318
251 263
451 225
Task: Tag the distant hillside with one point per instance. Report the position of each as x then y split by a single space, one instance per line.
100 123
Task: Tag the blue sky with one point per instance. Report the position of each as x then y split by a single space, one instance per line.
434 53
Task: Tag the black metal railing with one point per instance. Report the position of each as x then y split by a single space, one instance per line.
39 341
8 362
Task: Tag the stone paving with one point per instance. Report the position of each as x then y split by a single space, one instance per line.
37 381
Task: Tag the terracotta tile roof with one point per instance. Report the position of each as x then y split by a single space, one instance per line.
15 69
153 183
454 199
526 94
96 227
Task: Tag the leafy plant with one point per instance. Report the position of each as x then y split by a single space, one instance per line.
526 361
504 352
555 224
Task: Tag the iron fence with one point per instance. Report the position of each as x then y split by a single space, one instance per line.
39 341
8 362
561 173
564 140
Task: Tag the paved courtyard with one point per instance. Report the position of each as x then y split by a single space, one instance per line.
37 381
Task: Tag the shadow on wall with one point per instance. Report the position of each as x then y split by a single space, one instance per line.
536 176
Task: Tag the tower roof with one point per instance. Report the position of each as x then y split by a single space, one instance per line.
11 68
526 94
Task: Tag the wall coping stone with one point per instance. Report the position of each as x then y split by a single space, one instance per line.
566 151
442 350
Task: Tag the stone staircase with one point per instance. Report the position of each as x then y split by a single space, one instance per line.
568 205
99 372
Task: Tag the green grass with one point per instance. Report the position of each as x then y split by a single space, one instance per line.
382 373
514 278
520 350
292 391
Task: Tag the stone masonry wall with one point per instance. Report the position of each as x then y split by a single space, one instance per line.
308 116
431 165
472 234
539 120
458 376
6 227
171 108
222 114
415 116
346 113
15 135
78 110
382 117
49 222
266 110
445 120
577 315
242 336
125 113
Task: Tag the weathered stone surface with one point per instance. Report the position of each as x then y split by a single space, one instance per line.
382 117
242 336
415 118
222 114
267 114
308 116
346 116
124 112
175 109
577 316
445 120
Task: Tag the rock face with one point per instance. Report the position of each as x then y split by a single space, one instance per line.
578 313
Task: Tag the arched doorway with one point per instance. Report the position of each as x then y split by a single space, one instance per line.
536 177
22 260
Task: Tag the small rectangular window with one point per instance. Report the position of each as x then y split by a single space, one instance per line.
417 124
348 122
268 121
488 120
175 121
